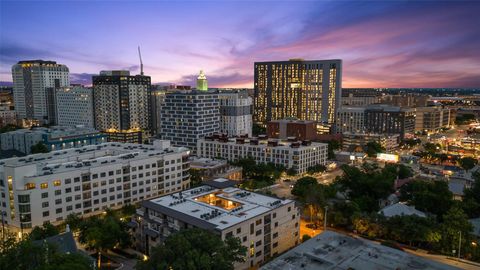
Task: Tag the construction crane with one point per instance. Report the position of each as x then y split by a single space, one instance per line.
141 63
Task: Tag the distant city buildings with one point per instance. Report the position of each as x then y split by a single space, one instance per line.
353 140
297 155
188 115
306 90
265 225
54 138
350 119
286 128
122 105
235 113
157 102
74 106
389 120
360 97
202 84
432 119
87 180
31 79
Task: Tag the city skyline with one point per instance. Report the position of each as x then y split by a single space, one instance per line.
382 44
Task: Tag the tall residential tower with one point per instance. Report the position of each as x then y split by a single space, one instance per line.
121 105
31 79
306 90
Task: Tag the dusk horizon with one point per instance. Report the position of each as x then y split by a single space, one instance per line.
393 44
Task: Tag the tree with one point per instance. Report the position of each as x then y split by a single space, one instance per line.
429 196
43 232
40 147
467 163
9 128
319 168
258 130
291 172
27 255
431 148
455 221
104 233
74 221
195 178
305 237
192 249
373 148
471 199
303 185
332 146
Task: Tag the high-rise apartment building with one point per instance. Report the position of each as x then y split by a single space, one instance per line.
157 101
87 180
121 105
235 113
188 115
74 106
386 119
350 119
31 79
306 90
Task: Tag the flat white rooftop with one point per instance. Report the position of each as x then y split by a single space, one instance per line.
331 250
220 208
88 157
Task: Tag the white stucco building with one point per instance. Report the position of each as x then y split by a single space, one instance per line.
48 187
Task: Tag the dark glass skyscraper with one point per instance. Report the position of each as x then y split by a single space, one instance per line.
307 90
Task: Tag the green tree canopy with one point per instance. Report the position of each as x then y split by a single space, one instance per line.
429 196
40 147
303 185
467 163
43 232
192 249
373 148
26 255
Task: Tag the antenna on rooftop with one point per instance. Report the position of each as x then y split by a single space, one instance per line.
141 63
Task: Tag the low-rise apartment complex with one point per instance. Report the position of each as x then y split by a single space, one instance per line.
48 187
298 155
267 226
54 138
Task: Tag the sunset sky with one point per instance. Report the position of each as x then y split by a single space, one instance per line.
382 43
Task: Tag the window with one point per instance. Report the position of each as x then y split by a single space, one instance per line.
44 204
103 174
95 176
68 190
258 222
44 185
76 179
229 234
68 181
44 195
275 235
56 183
68 199
258 253
69 208
276 224
244 239
58 201
30 186
259 243
274 215
258 232
59 210
46 213
23 198
58 192
275 245
77 188
289 209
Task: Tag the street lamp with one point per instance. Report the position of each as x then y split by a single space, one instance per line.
325 219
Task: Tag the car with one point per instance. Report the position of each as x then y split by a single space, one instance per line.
291 186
